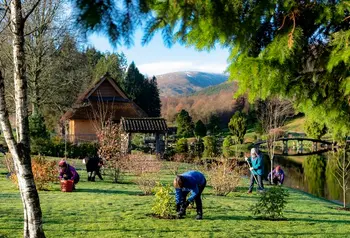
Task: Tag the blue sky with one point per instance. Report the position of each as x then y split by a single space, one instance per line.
155 58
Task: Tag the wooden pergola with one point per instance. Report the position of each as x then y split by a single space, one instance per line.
151 125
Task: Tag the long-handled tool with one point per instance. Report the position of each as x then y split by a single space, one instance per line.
252 173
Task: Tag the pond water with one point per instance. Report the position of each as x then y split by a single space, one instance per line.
314 174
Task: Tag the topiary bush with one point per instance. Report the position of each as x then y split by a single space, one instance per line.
271 203
226 146
210 147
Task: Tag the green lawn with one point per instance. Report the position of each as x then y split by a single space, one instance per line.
103 209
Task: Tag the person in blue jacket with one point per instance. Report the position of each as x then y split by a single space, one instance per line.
192 182
256 167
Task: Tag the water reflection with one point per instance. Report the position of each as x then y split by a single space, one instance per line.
314 174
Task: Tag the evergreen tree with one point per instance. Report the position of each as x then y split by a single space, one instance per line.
199 129
133 84
184 124
214 125
238 125
114 64
144 92
154 103
37 127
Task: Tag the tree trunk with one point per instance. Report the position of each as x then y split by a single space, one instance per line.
20 151
344 182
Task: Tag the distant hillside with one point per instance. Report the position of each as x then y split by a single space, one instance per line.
185 83
223 87
216 100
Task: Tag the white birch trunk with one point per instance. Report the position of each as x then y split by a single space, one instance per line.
20 150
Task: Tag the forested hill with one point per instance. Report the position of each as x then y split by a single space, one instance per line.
212 90
187 82
216 100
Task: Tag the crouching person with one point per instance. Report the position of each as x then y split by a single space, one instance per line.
277 176
192 182
68 172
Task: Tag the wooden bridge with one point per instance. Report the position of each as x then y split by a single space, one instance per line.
318 146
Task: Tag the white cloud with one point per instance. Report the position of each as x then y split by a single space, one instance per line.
156 68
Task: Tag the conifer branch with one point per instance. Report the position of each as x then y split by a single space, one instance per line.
284 19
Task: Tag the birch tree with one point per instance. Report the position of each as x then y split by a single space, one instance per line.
20 148
272 113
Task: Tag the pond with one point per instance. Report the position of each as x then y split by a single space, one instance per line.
314 174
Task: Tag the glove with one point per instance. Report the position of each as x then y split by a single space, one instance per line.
251 169
246 158
182 211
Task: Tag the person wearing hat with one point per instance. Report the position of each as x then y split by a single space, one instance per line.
256 167
277 177
68 172
192 182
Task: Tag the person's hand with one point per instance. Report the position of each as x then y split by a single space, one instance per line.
186 204
251 169
246 158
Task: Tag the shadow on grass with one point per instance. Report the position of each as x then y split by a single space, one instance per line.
107 191
318 213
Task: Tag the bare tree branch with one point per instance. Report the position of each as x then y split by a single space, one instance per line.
31 10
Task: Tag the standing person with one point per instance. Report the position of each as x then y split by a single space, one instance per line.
256 167
194 182
277 176
68 172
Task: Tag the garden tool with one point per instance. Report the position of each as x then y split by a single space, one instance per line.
252 173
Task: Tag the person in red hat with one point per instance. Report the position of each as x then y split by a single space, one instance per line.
68 172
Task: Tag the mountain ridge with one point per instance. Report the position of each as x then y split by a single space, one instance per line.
187 82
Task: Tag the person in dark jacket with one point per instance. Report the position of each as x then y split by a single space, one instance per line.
192 182
256 167
277 177
68 172
93 167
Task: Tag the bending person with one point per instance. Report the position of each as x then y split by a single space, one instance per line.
256 167
68 172
192 182
277 176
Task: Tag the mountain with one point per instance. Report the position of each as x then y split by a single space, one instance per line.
202 104
188 82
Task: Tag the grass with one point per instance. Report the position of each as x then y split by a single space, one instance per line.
104 209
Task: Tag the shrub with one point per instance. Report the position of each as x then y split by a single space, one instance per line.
44 171
196 147
210 147
224 177
271 203
146 183
182 145
164 202
226 146
146 169
109 138
37 127
175 163
199 129
238 125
